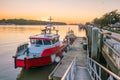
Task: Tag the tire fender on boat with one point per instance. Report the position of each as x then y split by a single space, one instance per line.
57 59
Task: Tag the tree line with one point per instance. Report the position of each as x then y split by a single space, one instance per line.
27 22
108 19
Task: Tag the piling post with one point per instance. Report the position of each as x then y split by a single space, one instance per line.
94 44
89 39
101 42
100 47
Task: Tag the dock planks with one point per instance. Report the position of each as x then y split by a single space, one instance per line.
81 66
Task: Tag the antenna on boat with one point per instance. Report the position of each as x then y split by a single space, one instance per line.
49 27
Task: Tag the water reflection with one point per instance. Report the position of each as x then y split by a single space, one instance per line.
40 73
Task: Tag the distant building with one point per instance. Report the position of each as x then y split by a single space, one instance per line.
115 26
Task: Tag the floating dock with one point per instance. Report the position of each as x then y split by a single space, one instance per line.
76 50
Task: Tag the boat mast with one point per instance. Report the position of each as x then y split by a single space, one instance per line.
50 24
50 19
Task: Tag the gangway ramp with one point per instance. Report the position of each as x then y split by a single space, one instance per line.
82 73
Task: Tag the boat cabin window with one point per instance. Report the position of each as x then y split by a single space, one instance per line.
36 41
32 41
55 40
39 42
47 42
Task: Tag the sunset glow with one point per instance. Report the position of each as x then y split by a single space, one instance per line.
69 11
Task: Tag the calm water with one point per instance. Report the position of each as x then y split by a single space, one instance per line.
10 37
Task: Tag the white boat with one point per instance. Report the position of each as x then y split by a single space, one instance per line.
44 48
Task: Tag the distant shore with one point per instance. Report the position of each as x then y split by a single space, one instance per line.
27 22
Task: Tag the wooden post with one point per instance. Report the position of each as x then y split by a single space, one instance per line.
100 47
101 42
89 39
94 42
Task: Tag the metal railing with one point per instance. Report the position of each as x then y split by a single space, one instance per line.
70 72
111 48
50 77
112 53
95 70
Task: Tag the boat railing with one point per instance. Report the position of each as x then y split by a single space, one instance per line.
97 71
70 72
49 29
21 49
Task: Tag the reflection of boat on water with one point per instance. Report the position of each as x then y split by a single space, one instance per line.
70 36
43 49
40 73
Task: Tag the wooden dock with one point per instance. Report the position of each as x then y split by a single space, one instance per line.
77 50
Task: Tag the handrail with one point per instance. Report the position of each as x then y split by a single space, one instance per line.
116 52
108 71
93 65
68 69
50 75
64 76
105 33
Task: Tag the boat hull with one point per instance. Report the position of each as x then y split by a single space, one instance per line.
40 61
34 62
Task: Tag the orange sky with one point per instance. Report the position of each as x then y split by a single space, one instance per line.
69 11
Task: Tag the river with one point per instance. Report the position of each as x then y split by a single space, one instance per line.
13 35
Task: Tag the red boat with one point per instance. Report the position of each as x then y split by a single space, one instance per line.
43 49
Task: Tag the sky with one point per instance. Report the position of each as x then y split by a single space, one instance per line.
69 11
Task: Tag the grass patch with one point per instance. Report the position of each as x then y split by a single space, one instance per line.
117 32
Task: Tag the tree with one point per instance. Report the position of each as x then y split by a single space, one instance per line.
108 19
